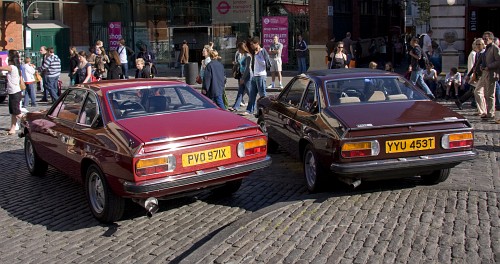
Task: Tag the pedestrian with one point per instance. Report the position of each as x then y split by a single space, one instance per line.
43 84
205 52
388 67
301 53
84 69
398 52
330 46
52 68
28 73
101 63
338 58
258 78
184 57
453 80
13 69
427 43
490 67
243 61
348 48
73 63
149 59
416 77
143 70
114 69
214 80
275 51
124 52
372 65
473 72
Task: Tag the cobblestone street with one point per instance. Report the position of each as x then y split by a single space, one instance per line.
271 219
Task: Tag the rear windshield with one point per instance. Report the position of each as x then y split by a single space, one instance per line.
369 90
144 101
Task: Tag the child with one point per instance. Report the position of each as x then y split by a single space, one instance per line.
453 78
28 73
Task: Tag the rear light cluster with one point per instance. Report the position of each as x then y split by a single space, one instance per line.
253 147
459 140
360 149
155 165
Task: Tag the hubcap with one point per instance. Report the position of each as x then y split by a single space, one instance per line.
96 192
310 168
30 155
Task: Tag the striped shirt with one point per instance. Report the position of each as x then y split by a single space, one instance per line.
52 66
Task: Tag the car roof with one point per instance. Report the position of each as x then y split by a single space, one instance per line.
329 74
111 85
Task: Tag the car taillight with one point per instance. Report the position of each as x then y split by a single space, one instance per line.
252 147
360 149
459 140
155 165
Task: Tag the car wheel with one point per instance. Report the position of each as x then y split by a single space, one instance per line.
436 176
272 146
36 166
228 188
104 204
312 170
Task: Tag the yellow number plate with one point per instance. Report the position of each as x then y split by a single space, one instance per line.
206 156
407 145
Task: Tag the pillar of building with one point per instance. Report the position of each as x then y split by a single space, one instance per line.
321 28
448 20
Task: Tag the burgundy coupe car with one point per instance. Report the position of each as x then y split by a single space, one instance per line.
361 124
144 139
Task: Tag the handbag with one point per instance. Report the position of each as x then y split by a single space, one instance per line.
198 79
38 77
236 71
22 85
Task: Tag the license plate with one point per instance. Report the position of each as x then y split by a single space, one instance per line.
206 156
407 145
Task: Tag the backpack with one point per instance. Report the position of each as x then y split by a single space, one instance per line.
421 40
424 60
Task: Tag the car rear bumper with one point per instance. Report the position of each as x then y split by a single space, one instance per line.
164 185
419 163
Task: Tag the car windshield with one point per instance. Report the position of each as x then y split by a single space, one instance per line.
370 90
144 101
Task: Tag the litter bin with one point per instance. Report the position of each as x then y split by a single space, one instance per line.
191 71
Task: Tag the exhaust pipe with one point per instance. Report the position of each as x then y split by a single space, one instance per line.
150 204
353 183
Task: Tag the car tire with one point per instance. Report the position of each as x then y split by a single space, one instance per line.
436 177
228 188
272 146
104 204
312 171
36 166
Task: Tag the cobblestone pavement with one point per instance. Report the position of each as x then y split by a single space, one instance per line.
271 219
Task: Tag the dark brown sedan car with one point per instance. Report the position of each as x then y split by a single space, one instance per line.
360 124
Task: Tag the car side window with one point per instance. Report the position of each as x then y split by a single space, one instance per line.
310 98
294 93
89 111
69 108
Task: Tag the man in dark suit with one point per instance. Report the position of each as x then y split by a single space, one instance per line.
214 80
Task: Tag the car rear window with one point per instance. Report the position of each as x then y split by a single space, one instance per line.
144 101
371 90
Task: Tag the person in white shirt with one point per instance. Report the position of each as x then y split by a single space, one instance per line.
28 73
259 74
124 52
427 47
13 88
452 79
276 65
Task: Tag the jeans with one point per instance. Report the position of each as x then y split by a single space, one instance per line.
242 89
45 88
182 69
302 64
253 90
125 70
497 95
417 78
52 87
219 101
30 94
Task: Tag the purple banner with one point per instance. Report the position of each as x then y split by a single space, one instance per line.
275 26
115 34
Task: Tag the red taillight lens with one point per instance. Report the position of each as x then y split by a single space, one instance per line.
459 140
256 150
360 149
